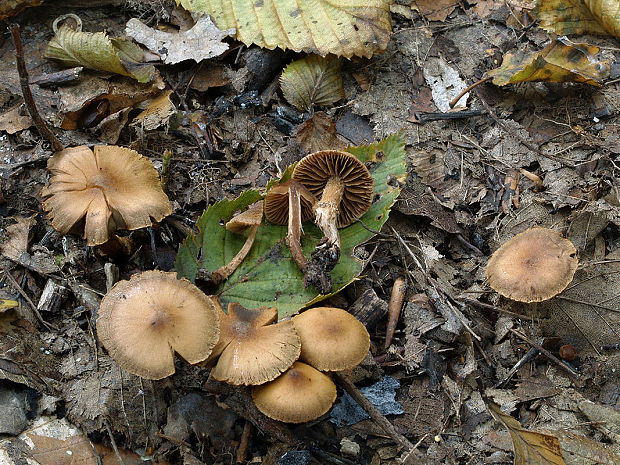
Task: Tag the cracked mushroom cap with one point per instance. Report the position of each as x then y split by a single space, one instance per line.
533 266
143 321
254 351
331 338
276 203
314 170
300 394
111 187
253 216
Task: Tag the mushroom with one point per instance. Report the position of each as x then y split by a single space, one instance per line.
112 187
331 338
254 351
301 394
290 202
345 189
143 321
250 218
533 266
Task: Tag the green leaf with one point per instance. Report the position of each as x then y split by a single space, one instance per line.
269 276
313 80
97 51
343 28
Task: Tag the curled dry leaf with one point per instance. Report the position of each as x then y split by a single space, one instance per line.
97 51
600 17
558 62
201 42
313 80
347 28
111 187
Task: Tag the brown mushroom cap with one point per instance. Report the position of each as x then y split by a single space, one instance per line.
314 170
276 203
143 321
254 351
112 187
533 266
300 394
331 338
253 216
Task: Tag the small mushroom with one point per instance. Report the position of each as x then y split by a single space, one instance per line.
331 338
290 202
250 218
143 321
299 395
533 266
254 351
111 187
345 189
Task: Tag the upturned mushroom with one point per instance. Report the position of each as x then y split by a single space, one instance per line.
345 189
291 203
109 187
533 266
299 395
252 350
331 338
143 321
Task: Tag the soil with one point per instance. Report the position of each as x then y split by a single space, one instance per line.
518 156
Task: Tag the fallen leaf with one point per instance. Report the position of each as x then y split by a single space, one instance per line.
74 450
201 42
13 120
157 114
354 27
97 51
211 76
601 17
9 8
434 10
557 62
319 133
17 242
530 447
313 80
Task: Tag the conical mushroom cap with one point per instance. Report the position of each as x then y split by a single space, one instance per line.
314 170
112 187
331 338
276 203
533 266
143 321
300 394
256 351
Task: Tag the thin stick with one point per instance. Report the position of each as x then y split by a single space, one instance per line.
118 454
242 450
396 304
44 131
34 308
526 358
374 413
458 97
548 354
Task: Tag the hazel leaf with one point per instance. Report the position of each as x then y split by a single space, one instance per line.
343 28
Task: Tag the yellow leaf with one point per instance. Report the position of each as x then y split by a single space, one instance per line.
312 81
97 51
341 27
530 447
600 17
558 62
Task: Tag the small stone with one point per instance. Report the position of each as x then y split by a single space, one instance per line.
349 448
13 407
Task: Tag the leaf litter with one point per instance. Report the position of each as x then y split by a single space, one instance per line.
530 154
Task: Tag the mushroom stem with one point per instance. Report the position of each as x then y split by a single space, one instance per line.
326 210
293 237
225 271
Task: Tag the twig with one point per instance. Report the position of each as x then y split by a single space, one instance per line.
455 100
118 455
374 413
396 304
242 450
44 131
526 358
34 308
548 354
488 306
